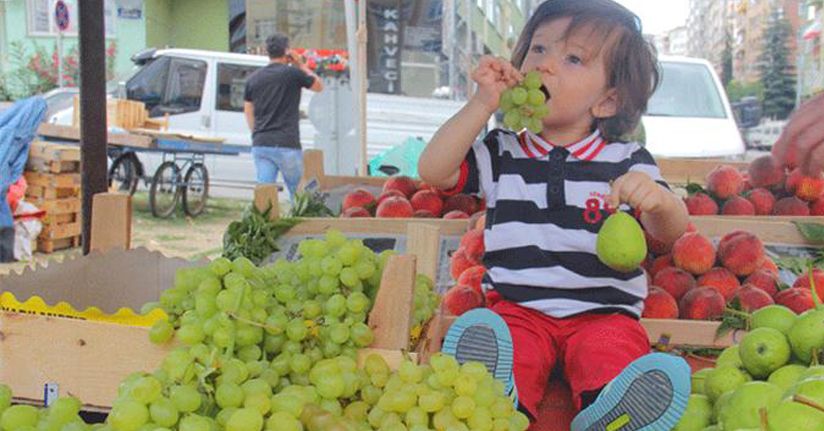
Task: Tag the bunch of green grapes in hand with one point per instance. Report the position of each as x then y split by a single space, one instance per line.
524 105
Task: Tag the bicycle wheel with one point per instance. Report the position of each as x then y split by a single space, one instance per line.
164 191
195 189
123 174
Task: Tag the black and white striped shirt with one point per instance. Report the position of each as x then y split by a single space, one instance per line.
545 205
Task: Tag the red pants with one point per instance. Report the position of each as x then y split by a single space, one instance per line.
592 349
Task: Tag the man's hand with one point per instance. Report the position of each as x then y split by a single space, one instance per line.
639 191
802 141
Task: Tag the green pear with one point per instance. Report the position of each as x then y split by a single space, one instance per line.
790 415
787 376
807 334
814 371
697 381
731 357
621 244
773 316
811 389
697 415
720 404
742 409
723 379
763 351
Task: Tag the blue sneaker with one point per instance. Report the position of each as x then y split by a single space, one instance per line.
482 335
650 395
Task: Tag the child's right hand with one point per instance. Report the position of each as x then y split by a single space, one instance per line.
494 75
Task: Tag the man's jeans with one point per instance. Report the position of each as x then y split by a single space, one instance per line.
271 160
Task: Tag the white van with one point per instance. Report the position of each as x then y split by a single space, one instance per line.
689 114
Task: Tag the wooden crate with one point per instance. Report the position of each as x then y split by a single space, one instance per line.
53 158
683 171
89 359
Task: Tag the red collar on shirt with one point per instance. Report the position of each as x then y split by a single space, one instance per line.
585 149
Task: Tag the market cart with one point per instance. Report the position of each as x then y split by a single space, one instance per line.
181 177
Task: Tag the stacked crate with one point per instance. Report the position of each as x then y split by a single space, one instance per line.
53 177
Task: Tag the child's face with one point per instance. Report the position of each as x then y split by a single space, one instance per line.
573 72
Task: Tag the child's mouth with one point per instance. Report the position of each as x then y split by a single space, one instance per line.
545 91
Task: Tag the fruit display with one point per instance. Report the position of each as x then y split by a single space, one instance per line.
467 270
771 381
524 105
252 347
764 189
696 280
404 197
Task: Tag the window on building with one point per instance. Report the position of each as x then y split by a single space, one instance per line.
497 17
231 83
41 21
480 4
490 11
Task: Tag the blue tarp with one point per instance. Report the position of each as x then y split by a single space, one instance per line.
18 125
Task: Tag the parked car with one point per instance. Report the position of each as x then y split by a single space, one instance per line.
689 114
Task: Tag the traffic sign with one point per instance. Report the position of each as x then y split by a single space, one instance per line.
61 15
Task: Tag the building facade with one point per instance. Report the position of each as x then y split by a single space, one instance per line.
672 42
433 43
29 34
750 23
709 25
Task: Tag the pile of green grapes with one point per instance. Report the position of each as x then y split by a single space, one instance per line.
426 304
524 105
62 415
275 348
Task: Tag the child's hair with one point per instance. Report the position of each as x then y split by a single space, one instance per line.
631 64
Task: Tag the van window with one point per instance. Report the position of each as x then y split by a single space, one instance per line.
686 90
231 83
167 84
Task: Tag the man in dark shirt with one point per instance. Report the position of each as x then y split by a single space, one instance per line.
272 100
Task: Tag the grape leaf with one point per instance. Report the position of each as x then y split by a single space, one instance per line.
693 188
734 318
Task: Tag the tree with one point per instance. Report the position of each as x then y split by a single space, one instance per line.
737 90
726 60
777 74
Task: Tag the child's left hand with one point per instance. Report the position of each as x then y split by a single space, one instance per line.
639 191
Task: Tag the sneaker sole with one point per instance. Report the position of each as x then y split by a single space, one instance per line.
649 395
481 335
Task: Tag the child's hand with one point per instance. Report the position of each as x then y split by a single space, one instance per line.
494 75
639 191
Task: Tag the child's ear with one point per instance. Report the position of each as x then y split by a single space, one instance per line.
607 106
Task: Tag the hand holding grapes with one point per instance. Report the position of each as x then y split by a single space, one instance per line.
493 76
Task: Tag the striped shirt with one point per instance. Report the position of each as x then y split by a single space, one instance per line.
545 205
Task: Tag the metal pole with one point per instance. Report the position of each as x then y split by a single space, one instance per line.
92 108
354 69
363 86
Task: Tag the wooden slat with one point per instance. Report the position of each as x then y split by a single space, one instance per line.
378 225
53 151
52 245
682 171
266 195
111 222
424 242
40 192
59 231
777 232
57 206
391 316
73 134
87 360
52 180
52 166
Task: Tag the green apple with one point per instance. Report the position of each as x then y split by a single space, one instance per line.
787 376
697 380
742 409
792 416
730 356
724 378
763 351
697 415
773 316
807 334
